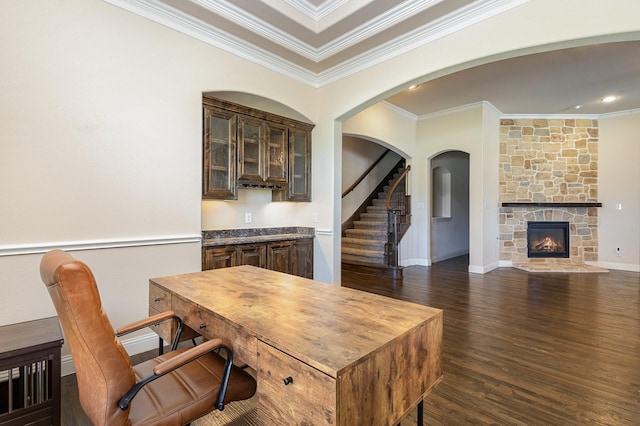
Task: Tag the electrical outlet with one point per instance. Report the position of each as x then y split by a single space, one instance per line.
618 252
247 218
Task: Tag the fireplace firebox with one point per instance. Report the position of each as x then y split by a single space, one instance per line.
548 239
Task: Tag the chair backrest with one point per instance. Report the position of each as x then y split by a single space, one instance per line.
103 368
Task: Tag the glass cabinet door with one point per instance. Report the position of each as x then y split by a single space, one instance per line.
219 155
250 151
299 165
276 161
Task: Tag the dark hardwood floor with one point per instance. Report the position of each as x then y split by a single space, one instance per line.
529 349
519 348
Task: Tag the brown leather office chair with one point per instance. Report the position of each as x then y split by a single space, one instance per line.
173 389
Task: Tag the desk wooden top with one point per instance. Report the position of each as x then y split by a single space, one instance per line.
326 326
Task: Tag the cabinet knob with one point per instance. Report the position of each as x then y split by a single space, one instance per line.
203 326
288 380
157 299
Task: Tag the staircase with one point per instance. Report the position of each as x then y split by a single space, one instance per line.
363 245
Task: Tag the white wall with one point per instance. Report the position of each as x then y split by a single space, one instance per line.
619 183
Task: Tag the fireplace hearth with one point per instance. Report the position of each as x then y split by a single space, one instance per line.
548 239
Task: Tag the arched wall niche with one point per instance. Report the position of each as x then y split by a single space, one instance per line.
259 102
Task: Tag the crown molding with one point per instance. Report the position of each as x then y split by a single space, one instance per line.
181 22
620 113
551 116
185 24
317 12
461 19
457 109
396 109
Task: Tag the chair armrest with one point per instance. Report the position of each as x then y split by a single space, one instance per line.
186 357
146 322
178 361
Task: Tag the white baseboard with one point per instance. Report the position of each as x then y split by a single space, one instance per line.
617 266
477 269
419 262
133 345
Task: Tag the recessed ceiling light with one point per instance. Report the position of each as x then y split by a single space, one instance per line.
608 99
414 86
577 106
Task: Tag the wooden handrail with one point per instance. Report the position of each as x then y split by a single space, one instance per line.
363 175
395 184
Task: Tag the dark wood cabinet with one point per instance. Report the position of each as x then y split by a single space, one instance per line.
248 148
280 256
298 187
219 154
251 152
302 264
276 156
288 256
220 257
30 371
252 254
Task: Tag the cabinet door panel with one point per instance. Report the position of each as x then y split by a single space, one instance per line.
219 154
252 254
250 151
219 257
276 155
303 258
280 256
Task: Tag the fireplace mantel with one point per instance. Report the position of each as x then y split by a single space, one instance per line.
549 204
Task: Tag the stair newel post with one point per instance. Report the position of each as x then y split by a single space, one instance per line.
393 232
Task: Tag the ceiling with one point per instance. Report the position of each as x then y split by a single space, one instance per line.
320 41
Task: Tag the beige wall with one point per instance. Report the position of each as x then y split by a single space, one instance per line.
619 183
101 126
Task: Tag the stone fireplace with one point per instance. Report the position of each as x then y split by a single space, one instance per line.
548 173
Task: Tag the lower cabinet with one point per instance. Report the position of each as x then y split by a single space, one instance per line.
290 256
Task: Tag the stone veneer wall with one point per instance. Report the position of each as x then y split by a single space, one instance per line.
548 160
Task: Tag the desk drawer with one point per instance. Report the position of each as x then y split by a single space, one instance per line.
211 326
159 299
310 397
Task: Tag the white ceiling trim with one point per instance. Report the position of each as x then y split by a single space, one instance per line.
185 24
179 21
381 22
258 26
319 12
319 18
465 17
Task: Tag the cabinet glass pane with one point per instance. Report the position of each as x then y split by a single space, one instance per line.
250 150
276 151
299 164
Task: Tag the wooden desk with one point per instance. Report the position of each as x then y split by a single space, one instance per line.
323 354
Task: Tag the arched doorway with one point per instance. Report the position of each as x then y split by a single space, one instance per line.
449 236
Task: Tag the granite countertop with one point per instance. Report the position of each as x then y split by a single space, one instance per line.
223 237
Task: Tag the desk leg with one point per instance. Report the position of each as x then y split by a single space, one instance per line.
420 414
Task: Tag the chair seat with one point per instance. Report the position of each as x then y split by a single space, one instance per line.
183 395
